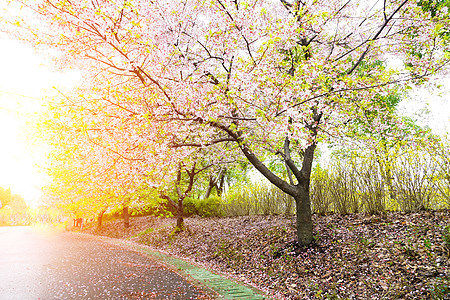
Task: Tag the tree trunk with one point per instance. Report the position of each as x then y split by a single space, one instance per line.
126 217
300 191
180 222
217 183
304 216
100 218
180 212
210 187
219 187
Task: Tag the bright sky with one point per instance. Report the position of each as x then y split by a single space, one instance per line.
25 77
430 107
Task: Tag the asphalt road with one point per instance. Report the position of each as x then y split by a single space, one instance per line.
43 264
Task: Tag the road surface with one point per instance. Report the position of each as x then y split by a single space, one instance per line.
44 264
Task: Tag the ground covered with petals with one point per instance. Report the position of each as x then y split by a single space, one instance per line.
388 256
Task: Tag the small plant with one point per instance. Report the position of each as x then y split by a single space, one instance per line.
367 242
446 236
408 249
176 230
143 233
427 244
440 291
316 237
147 231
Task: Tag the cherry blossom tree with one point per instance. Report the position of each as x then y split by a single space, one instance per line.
274 77
86 178
118 154
187 173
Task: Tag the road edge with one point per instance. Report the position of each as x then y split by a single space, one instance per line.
213 283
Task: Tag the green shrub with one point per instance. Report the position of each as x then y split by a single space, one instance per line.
446 236
239 201
413 182
190 207
320 191
209 207
145 210
256 198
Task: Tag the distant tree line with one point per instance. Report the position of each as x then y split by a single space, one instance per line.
13 209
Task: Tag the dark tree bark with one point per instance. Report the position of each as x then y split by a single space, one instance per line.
219 187
126 216
180 215
299 191
210 187
216 183
303 214
100 218
191 173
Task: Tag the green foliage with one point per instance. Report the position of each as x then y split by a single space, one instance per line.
441 180
17 203
411 180
10 217
145 232
253 198
434 7
440 291
355 181
365 67
320 191
243 198
144 210
439 11
414 190
380 109
343 186
446 236
5 196
209 207
238 200
238 172
112 215
13 210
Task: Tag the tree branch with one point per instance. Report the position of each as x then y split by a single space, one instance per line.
255 161
199 145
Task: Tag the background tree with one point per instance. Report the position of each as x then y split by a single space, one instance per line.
5 196
119 155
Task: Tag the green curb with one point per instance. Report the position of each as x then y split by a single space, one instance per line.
223 286
226 288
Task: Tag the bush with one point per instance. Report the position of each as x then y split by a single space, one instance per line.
256 198
370 187
239 201
209 207
11 217
147 210
272 201
413 177
320 191
342 185
413 181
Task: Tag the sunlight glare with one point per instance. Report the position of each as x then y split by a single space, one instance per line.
25 78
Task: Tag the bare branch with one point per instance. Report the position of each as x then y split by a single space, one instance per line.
375 37
198 145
